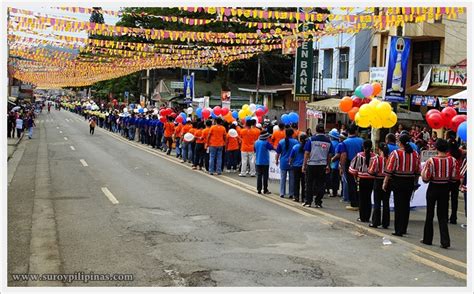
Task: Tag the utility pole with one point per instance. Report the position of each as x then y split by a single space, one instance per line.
258 79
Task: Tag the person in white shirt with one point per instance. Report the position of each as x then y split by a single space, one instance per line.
19 126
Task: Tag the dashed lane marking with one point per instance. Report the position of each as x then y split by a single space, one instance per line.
72 148
65 138
109 195
84 163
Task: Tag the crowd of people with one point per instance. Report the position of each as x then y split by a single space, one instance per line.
338 163
19 121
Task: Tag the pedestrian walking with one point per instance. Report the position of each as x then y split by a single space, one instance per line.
19 126
30 124
403 171
296 163
440 172
283 160
92 124
349 149
317 156
169 130
334 175
381 197
262 151
177 138
216 143
359 168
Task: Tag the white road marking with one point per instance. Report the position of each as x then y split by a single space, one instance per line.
65 138
84 163
72 148
57 128
60 132
67 120
109 195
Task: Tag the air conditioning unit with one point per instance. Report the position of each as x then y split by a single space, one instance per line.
344 58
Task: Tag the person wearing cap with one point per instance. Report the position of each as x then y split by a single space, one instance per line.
440 172
186 147
318 152
296 162
262 162
334 175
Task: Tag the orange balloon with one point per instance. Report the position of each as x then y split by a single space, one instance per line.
351 113
377 88
229 118
346 104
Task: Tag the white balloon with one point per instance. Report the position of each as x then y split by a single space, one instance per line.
188 137
125 109
145 110
233 133
190 110
139 106
276 128
252 107
135 110
155 112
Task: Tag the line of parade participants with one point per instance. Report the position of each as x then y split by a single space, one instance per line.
315 164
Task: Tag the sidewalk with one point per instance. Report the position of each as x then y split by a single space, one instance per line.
12 144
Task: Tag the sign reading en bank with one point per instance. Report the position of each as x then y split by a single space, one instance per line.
304 69
397 69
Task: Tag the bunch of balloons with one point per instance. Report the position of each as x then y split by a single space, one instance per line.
251 111
447 118
367 111
290 118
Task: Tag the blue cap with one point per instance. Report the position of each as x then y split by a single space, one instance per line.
334 134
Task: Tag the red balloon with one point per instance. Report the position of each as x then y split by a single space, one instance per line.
456 121
173 115
448 113
356 102
259 119
365 101
259 112
430 112
163 119
224 111
265 109
217 110
206 113
179 119
435 121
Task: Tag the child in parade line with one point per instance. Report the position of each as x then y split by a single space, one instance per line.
262 151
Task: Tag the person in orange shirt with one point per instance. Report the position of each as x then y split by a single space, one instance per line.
248 136
186 149
278 135
199 149
232 149
205 134
177 137
169 130
216 141
296 132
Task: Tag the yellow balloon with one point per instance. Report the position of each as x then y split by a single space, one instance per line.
245 107
376 122
390 120
242 114
384 109
374 103
362 122
365 110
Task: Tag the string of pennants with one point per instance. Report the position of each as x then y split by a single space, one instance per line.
64 60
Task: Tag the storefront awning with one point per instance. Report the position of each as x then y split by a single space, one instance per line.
328 105
434 91
460 95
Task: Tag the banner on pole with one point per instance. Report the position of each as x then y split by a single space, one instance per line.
397 69
304 68
188 83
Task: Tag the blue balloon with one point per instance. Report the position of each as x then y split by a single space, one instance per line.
199 112
285 119
141 110
294 117
248 118
462 131
184 116
131 106
212 114
235 114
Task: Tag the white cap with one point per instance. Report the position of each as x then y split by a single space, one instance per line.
188 119
235 123
258 125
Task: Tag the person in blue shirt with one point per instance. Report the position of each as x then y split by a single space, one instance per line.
391 141
317 156
283 155
148 129
296 162
413 145
159 134
334 175
151 131
132 127
125 121
141 127
262 161
352 145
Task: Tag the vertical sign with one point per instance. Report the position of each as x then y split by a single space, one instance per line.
188 84
397 69
304 67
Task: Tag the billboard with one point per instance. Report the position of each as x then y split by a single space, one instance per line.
396 69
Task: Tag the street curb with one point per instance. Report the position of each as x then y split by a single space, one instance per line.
17 141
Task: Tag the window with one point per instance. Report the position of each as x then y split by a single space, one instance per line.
327 67
344 63
427 52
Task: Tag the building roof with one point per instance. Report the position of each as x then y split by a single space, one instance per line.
268 89
328 105
434 91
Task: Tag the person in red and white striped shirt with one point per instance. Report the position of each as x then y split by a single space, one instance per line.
381 197
359 169
440 172
403 170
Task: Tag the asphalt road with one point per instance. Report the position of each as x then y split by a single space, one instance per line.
101 204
